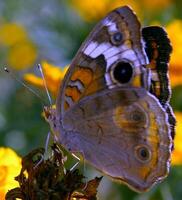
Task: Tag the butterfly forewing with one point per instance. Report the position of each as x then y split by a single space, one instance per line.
90 71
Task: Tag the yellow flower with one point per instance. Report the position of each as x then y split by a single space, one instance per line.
10 166
174 30
22 52
11 33
155 4
177 153
89 9
92 10
22 55
53 76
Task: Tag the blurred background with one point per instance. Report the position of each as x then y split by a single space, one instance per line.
50 33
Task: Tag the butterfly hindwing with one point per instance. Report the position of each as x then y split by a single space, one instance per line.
118 132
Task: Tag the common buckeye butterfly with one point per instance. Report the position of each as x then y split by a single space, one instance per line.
113 104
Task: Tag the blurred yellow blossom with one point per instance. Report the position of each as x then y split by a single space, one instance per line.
92 10
11 33
155 5
174 30
53 76
22 55
10 166
177 153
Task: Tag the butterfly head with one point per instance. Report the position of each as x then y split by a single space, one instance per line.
49 113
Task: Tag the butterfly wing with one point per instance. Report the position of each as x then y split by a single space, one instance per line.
104 109
123 133
158 49
90 70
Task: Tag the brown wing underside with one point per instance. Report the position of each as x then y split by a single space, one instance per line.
110 125
86 74
111 129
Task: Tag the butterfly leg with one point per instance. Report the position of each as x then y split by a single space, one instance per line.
45 152
46 144
73 153
77 163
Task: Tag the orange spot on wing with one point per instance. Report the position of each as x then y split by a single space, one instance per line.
155 54
157 88
137 81
73 92
66 105
152 65
85 75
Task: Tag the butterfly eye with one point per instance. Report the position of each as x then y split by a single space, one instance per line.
116 38
123 72
142 153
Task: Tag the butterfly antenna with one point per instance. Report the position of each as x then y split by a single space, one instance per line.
45 84
22 83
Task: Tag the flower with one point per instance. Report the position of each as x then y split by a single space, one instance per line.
22 55
92 10
16 31
21 52
177 153
174 30
155 5
51 180
10 166
53 77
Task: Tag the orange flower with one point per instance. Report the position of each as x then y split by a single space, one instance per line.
10 166
174 30
177 153
53 76
155 5
92 10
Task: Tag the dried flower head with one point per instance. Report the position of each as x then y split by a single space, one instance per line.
50 180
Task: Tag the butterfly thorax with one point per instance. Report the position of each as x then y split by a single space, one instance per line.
51 118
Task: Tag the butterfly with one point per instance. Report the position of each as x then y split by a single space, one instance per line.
113 104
